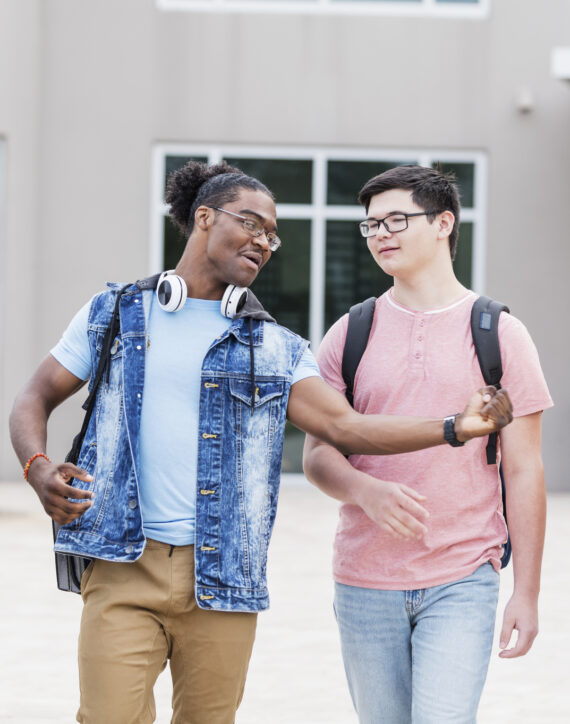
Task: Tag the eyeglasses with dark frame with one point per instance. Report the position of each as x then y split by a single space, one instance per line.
394 222
254 228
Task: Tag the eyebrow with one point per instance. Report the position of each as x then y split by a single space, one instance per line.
390 213
258 216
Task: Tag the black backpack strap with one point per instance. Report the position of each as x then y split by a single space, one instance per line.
485 315
485 331
360 318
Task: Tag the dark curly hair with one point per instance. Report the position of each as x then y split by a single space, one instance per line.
197 184
430 187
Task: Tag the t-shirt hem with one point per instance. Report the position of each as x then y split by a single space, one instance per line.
417 585
171 540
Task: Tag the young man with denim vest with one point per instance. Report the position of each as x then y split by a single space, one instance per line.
418 546
175 491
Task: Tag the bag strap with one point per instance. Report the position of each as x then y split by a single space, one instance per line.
104 359
360 317
485 332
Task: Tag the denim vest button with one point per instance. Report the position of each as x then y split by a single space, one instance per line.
129 549
132 504
138 346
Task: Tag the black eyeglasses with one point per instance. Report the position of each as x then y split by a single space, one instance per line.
393 223
254 228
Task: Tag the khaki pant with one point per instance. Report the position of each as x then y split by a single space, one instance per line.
138 615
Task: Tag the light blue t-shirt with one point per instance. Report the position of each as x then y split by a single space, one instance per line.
178 343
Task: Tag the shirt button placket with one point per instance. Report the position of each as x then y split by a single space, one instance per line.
418 346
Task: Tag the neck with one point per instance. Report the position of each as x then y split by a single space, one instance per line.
198 279
428 288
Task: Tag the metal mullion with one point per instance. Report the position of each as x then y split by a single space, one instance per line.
318 252
294 211
156 246
479 250
344 213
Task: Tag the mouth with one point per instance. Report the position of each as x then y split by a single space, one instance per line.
387 249
253 258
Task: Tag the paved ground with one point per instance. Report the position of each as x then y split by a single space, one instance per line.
296 674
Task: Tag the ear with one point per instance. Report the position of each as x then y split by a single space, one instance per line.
203 217
445 224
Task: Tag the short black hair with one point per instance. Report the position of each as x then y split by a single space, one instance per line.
197 184
431 190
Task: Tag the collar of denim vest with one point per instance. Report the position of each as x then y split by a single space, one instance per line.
240 326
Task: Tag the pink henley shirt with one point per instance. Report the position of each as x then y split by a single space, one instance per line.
424 364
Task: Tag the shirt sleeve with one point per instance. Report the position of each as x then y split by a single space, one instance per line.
306 367
72 351
522 374
329 356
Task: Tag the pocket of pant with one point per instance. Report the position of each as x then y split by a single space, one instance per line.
85 578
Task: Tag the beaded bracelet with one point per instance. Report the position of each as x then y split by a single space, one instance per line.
31 460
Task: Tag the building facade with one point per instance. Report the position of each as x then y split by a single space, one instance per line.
99 101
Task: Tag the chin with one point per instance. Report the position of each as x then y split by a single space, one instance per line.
241 280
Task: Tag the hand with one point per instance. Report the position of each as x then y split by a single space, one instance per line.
521 613
487 411
394 507
50 481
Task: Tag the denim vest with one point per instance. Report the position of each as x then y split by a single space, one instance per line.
241 429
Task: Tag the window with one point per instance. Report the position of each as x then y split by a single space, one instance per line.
324 265
443 8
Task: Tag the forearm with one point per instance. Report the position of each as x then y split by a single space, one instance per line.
395 508
50 386
526 512
28 426
331 472
321 411
385 434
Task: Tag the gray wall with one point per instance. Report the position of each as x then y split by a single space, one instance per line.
20 51
87 88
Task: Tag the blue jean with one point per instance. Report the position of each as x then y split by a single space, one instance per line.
418 656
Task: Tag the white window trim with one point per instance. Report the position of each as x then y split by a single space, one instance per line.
319 212
429 8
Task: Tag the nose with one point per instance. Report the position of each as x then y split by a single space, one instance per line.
261 240
382 231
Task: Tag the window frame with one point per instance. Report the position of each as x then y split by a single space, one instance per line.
421 8
319 212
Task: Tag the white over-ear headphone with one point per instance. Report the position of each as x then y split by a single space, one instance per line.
171 294
233 300
171 291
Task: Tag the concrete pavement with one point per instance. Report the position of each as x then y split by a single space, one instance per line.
296 674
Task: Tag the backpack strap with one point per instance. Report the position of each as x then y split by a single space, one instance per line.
484 330
360 317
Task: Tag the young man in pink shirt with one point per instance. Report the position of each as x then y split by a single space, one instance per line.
418 545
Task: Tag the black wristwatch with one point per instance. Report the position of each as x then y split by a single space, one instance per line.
449 431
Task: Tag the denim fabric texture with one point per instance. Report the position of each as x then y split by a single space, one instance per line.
418 657
239 451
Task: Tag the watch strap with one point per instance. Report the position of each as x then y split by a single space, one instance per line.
449 432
